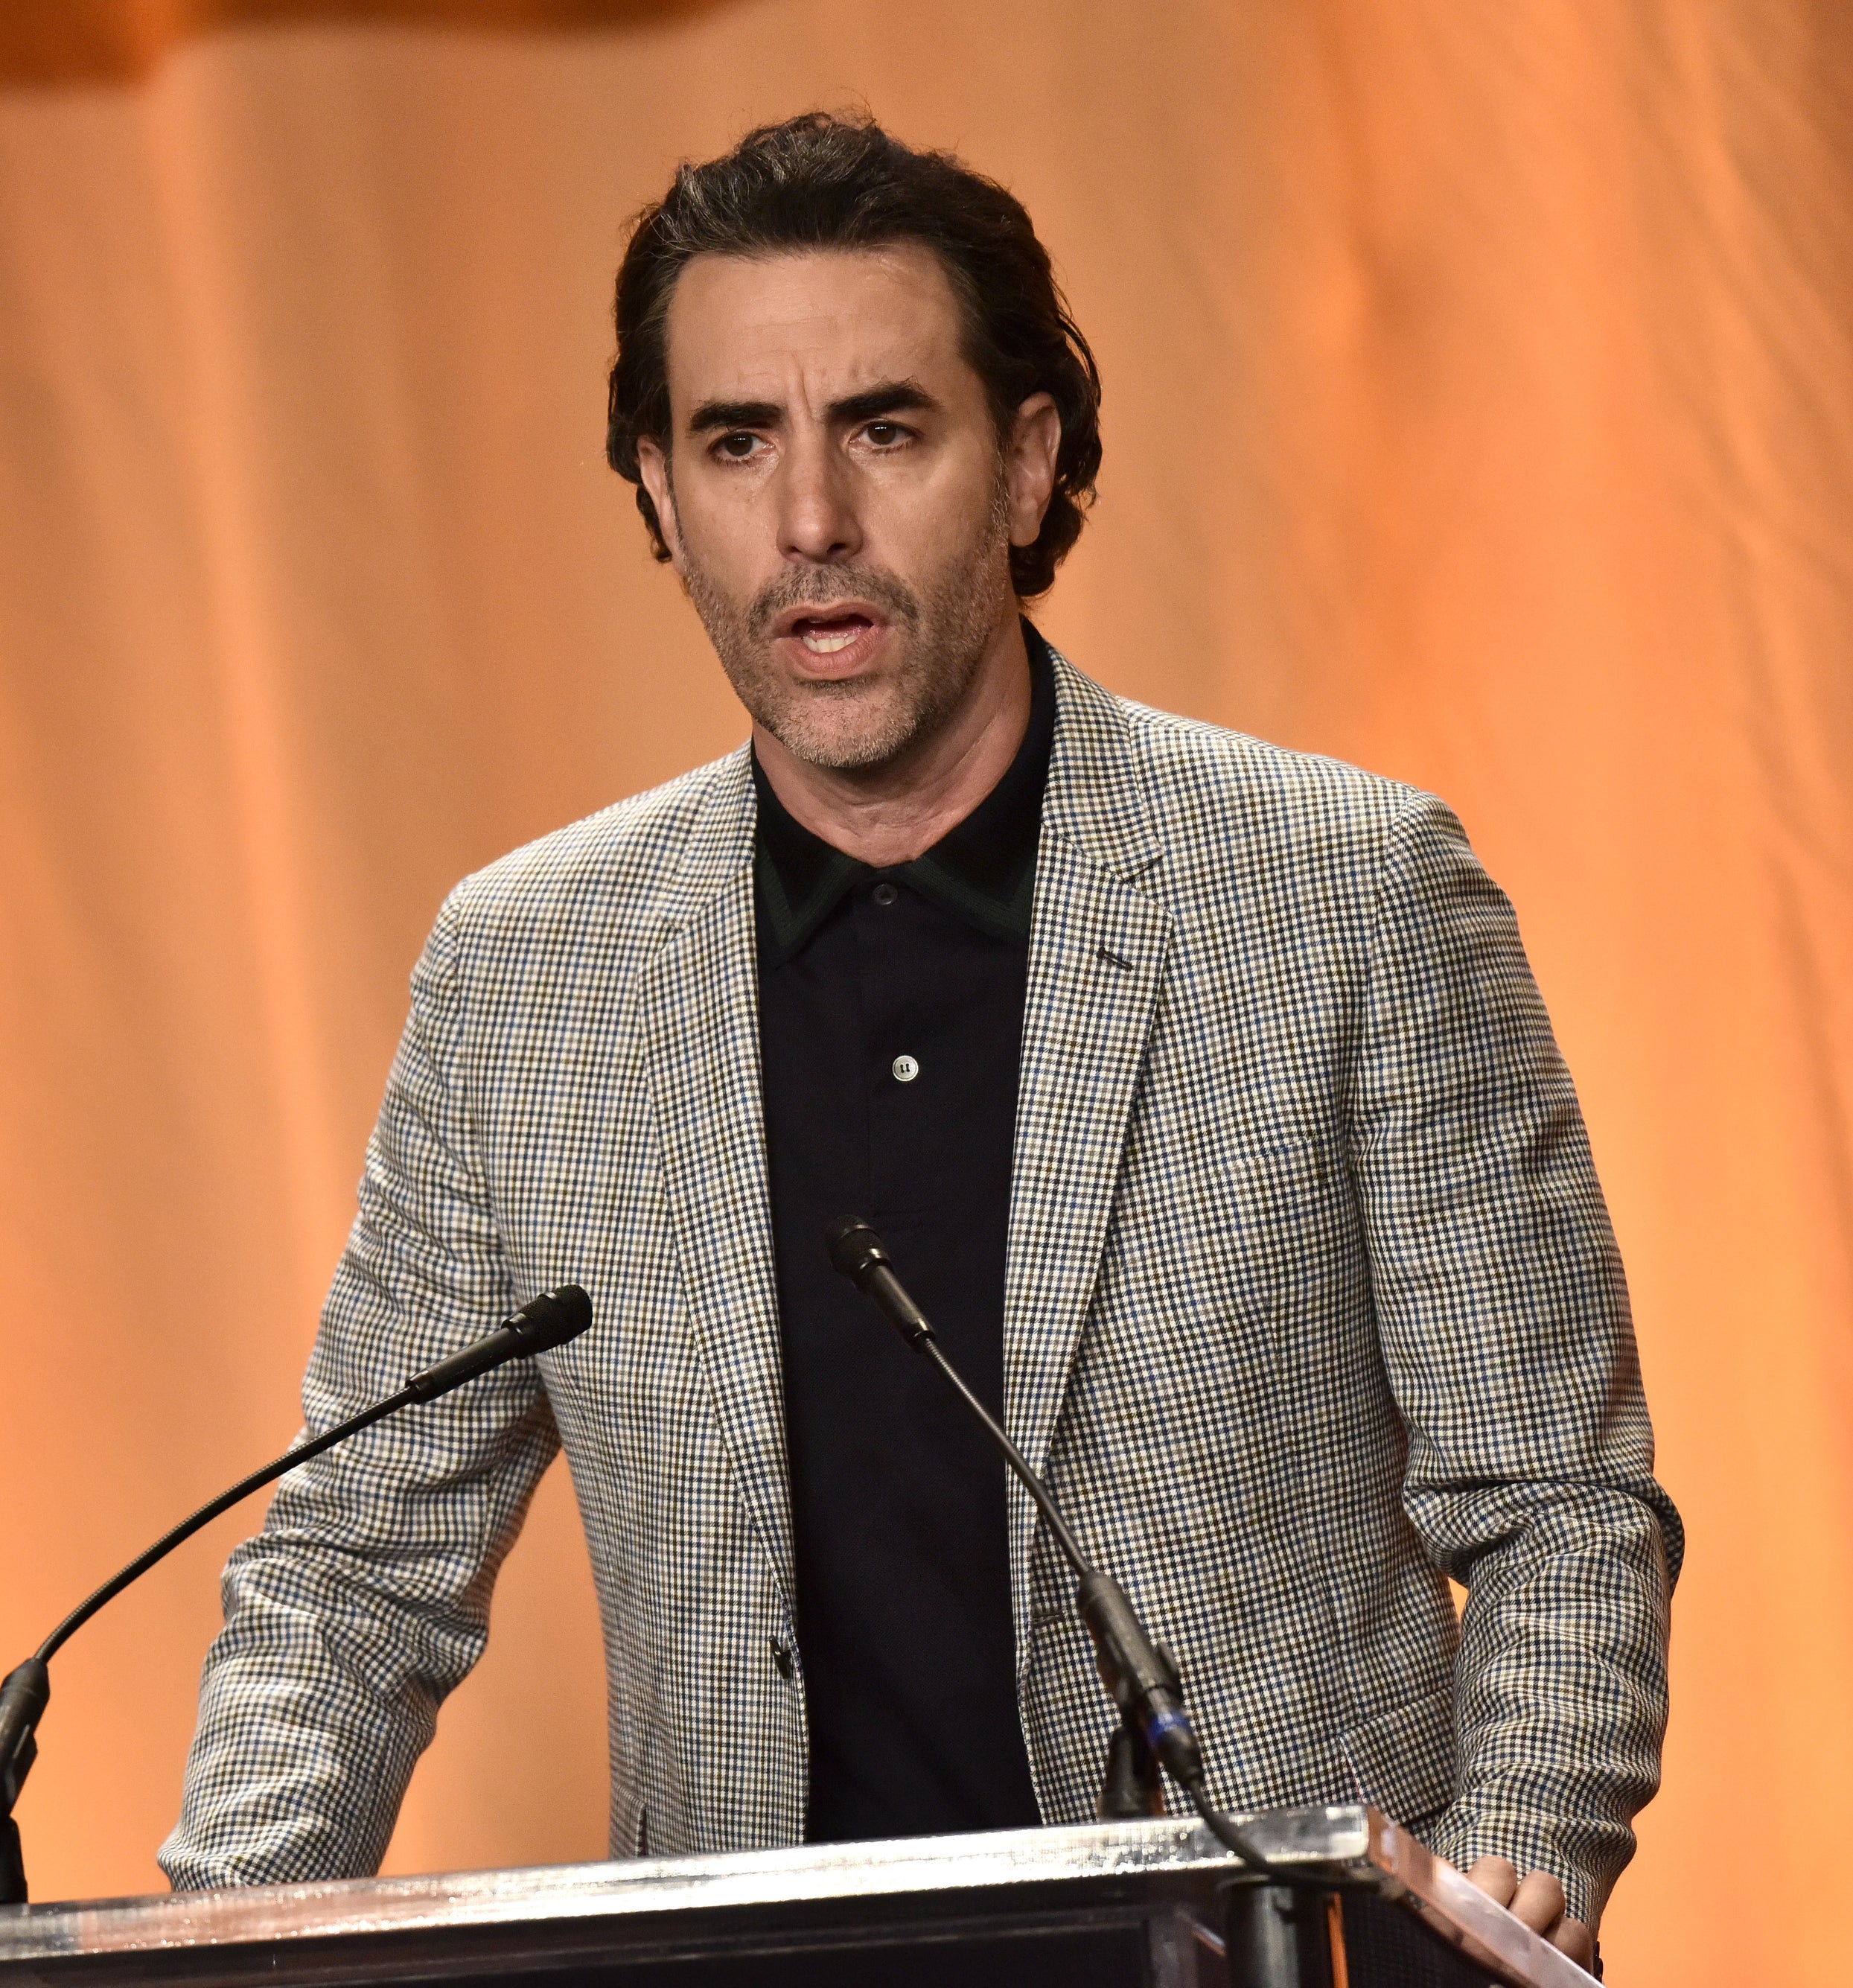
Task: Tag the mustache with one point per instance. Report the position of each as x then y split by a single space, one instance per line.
824 587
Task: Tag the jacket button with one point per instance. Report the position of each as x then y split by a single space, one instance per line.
781 1655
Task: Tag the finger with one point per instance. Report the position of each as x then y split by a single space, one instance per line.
1539 1902
1578 1941
1496 1876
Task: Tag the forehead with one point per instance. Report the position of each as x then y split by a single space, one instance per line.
762 326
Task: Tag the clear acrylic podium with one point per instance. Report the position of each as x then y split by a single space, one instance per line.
1126 1904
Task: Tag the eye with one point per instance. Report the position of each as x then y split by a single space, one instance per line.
737 446
885 434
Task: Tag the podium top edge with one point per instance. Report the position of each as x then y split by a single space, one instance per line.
815 1873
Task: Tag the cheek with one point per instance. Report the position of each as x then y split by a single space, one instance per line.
930 521
730 532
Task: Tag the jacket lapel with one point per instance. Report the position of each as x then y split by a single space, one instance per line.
698 1011
1097 949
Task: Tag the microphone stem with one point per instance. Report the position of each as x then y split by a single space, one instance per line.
1225 1830
1030 1481
549 1321
206 1514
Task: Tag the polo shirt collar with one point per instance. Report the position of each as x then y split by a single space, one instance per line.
983 870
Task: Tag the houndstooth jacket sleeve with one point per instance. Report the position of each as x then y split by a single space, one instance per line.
365 1598
1502 1316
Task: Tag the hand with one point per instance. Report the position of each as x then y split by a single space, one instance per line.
1538 1902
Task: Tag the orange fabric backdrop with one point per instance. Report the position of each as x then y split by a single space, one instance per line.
1479 408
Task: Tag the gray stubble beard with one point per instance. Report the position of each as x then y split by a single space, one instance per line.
948 631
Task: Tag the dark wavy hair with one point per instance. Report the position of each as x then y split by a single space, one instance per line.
822 181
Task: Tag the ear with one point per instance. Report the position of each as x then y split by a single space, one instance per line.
1036 440
653 466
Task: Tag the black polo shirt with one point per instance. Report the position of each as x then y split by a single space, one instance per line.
891 1020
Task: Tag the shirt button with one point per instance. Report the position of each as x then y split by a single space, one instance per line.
884 893
905 1069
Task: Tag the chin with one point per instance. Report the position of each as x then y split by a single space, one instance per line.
844 741
835 752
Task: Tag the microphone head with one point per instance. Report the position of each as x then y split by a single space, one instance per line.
551 1320
854 1248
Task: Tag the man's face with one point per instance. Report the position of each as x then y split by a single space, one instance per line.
836 499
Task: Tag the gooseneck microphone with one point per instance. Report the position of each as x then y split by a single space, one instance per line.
1140 1675
549 1321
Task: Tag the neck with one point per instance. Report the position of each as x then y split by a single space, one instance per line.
892 813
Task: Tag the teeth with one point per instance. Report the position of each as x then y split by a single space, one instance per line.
821 645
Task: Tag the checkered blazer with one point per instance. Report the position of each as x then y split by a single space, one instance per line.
1312 1302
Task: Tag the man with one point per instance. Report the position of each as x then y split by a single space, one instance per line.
1201 1090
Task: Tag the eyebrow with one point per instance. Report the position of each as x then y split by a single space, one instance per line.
891 396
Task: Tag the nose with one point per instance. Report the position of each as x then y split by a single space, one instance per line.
817 517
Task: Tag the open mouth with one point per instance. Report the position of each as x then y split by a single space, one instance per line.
828 635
